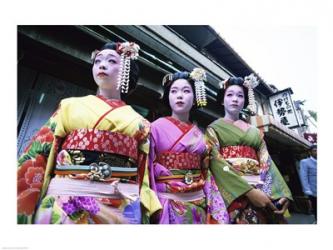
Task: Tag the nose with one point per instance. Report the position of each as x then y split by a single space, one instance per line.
234 98
102 65
179 95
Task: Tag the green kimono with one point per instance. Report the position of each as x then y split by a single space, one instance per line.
227 137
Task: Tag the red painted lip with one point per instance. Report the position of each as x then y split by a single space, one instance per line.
179 103
102 74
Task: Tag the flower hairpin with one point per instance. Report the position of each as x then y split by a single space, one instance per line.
128 51
199 76
251 81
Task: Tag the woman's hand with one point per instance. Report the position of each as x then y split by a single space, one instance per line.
284 203
259 199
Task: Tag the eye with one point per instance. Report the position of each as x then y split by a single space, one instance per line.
112 61
187 91
97 61
173 91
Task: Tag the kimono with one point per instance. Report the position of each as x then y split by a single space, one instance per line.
186 190
239 161
88 164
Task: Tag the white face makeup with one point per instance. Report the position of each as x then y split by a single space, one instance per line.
106 68
234 100
181 96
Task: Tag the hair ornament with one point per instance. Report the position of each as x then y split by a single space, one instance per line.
198 75
251 81
128 51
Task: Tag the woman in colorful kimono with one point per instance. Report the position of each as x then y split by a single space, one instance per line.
247 178
186 190
89 162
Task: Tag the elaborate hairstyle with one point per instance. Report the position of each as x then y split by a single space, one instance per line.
247 84
196 79
129 68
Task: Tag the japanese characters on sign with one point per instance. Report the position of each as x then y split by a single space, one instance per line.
283 108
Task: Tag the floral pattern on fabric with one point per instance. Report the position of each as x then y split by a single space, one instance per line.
179 160
238 151
187 212
102 141
30 174
215 203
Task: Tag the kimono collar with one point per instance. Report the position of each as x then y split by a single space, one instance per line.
112 102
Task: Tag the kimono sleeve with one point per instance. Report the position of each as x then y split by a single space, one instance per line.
229 183
148 197
274 184
32 168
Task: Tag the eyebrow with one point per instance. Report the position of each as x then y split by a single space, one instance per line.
185 87
107 55
232 91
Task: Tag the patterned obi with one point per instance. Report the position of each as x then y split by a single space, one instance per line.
186 167
98 155
238 152
172 160
244 160
102 141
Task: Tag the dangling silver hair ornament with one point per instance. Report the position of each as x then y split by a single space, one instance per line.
199 76
251 81
128 51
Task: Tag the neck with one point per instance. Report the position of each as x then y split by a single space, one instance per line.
231 117
182 117
109 94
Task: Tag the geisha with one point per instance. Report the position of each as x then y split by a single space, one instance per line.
89 162
186 190
249 181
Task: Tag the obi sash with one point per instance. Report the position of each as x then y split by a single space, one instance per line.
102 141
173 160
245 161
181 161
98 155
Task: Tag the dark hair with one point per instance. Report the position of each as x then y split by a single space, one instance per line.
313 146
134 70
233 81
169 79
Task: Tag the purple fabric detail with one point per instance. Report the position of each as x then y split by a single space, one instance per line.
79 203
216 205
267 187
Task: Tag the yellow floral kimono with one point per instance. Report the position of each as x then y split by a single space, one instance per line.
87 164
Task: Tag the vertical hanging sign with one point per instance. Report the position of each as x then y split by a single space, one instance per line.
283 108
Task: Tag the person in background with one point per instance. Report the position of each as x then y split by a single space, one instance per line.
308 176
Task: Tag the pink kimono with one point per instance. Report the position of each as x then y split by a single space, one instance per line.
186 190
